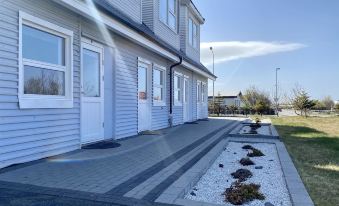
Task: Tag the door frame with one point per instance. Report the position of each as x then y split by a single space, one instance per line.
97 47
198 102
149 88
186 80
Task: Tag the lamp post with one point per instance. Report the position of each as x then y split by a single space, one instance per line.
211 48
276 91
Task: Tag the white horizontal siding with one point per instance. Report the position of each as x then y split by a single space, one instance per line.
132 8
148 13
163 31
33 133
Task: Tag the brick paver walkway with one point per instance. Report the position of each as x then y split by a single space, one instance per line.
141 168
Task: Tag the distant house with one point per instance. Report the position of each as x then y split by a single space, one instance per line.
228 100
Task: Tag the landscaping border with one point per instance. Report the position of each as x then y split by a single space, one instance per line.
296 189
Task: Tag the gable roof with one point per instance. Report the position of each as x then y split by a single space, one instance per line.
105 7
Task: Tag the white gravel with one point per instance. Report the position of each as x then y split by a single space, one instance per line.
263 130
211 185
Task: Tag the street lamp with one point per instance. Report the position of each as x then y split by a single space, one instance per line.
211 48
276 91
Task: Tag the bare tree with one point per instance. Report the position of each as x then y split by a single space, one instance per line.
328 103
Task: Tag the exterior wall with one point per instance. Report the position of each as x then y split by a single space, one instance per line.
232 101
148 13
28 134
125 70
132 8
183 27
163 31
192 52
204 108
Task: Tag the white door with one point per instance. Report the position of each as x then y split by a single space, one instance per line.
204 106
144 96
198 100
92 104
186 100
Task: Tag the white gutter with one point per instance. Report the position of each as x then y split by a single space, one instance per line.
83 9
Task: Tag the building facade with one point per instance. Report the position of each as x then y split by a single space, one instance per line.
73 72
228 100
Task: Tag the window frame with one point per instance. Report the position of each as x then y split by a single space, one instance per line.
192 37
203 92
168 13
177 102
199 87
38 100
162 69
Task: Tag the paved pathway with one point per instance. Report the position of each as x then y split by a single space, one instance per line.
141 168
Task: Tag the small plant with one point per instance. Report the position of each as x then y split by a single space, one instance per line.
257 120
246 161
255 153
242 174
240 193
247 146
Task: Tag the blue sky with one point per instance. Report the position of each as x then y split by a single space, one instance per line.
252 38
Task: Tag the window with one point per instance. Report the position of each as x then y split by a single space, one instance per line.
168 13
45 70
192 33
198 91
203 92
159 77
177 89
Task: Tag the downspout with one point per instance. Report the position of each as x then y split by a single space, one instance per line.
170 120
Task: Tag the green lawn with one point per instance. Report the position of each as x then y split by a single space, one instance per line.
313 144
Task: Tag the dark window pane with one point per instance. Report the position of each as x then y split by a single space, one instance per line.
171 21
142 82
157 77
43 81
171 6
91 73
42 46
163 10
157 94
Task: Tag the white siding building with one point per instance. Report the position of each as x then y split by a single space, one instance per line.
74 72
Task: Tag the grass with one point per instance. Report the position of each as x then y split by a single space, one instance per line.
313 144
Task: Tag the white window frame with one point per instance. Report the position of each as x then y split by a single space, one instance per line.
199 88
46 101
203 92
177 102
192 37
162 87
169 12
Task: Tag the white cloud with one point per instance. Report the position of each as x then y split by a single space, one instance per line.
232 50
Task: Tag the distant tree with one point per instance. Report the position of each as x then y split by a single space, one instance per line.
336 107
301 101
233 108
257 100
246 108
319 105
261 106
328 102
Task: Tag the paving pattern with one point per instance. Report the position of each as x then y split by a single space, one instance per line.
133 174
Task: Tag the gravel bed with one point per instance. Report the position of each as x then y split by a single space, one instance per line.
263 130
214 182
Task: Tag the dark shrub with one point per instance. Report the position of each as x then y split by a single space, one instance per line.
255 153
247 146
246 161
242 174
240 193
